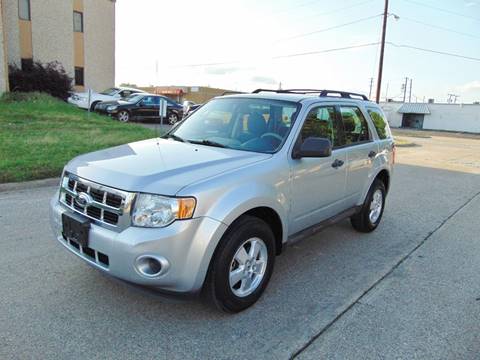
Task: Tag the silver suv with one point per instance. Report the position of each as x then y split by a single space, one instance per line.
207 207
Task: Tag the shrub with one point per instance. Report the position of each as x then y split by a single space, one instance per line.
50 78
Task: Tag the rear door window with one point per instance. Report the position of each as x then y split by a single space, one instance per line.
354 124
322 122
380 123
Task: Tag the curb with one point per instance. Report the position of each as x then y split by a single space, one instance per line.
29 184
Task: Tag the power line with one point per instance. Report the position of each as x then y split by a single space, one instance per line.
325 51
330 28
339 49
443 10
434 51
279 56
440 27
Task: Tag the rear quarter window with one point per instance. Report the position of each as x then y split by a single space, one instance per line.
380 123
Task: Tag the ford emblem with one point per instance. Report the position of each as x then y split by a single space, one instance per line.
83 199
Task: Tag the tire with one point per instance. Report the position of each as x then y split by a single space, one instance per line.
368 219
172 118
92 106
123 116
227 285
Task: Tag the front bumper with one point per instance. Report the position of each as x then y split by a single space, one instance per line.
105 112
187 245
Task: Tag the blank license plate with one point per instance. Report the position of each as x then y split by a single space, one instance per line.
76 229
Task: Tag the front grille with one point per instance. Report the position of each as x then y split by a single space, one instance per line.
107 205
88 253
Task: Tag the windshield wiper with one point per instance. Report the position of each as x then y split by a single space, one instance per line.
208 143
175 137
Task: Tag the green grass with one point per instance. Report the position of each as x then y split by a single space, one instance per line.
39 135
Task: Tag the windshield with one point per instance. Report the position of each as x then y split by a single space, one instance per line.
133 98
111 91
259 125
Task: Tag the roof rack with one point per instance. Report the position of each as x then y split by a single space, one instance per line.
322 93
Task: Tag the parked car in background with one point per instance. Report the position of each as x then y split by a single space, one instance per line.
190 108
141 106
116 93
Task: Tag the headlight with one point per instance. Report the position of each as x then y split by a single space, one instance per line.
160 211
111 108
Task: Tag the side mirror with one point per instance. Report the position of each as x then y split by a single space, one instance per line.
141 103
313 147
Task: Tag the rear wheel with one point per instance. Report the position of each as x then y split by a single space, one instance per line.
371 213
242 265
123 116
172 118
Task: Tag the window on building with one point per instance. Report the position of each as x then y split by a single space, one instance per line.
79 76
321 122
380 123
77 21
24 9
27 64
355 125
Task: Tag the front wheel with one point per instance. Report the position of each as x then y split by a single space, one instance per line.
123 116
371 213
242 265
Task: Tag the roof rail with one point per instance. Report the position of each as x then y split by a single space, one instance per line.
343 94
322 93
264 90
231 92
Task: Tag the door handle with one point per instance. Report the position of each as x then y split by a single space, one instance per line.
337 163
372 154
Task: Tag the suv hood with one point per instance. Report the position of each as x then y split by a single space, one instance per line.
158 166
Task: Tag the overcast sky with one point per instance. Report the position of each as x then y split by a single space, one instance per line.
242 44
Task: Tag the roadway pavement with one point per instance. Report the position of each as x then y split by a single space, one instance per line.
409 290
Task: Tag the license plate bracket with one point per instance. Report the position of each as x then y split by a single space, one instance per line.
76 228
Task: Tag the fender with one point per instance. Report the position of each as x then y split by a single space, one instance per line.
379 163
227 208
233 203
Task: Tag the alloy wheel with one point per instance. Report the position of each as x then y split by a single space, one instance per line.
172 119
123 116
376 206
248 266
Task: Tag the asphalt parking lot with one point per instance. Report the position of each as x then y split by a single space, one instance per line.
409 290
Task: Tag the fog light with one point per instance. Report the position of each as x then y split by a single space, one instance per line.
151 266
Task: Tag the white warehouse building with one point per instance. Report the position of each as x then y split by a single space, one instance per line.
432 116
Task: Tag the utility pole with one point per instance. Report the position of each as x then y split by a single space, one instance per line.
404 88
382 50
410 94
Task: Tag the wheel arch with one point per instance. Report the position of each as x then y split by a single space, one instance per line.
94 104
384 176
271 217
